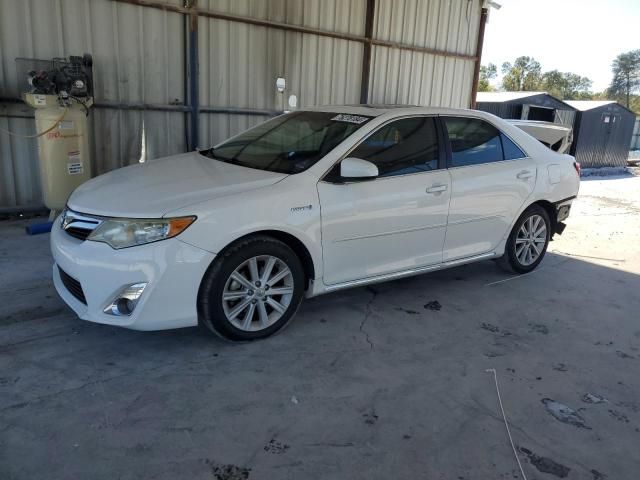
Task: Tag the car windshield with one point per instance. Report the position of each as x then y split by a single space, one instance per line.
290 143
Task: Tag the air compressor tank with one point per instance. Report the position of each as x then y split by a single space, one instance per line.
64 156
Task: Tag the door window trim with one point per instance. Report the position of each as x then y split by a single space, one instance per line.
440 135
449 155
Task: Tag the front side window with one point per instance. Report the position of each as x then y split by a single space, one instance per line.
473 141
409 145
289 143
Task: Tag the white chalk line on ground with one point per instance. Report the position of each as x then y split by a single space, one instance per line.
506 423
514 277
589 256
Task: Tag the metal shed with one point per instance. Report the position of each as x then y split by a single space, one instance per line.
526 106
171 75
602 133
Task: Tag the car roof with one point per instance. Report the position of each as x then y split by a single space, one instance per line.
375 110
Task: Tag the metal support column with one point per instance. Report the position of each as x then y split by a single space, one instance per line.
194 94
476 68
366 54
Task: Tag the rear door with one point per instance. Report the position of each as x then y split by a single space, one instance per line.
491 179
395 222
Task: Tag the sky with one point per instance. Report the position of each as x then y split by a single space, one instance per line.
579 36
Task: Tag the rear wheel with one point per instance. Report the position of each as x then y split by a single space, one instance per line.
252 290
528 241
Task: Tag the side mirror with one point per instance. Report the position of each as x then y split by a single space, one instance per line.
356 168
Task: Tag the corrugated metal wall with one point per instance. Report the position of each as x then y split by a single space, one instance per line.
239 63
406 77
635 138
139 58
518 109
603 144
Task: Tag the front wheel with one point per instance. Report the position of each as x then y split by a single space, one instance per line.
252 290
528 241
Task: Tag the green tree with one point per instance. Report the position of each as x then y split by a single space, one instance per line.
487 73
626 76
522 75
566 85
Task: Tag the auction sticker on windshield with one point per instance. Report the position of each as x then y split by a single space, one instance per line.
344 117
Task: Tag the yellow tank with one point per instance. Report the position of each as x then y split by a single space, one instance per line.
64 156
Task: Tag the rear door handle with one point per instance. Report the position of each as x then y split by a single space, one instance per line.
436 189
524 175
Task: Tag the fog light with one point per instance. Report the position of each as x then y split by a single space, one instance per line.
125 302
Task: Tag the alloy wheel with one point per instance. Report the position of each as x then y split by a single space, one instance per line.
258 293
530 240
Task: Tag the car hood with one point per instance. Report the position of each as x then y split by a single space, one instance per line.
151 189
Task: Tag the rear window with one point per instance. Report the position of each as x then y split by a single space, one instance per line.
474 141
511 150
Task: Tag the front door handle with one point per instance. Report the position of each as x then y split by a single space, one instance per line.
524 175
437 189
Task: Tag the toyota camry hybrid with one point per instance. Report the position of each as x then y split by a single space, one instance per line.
307 203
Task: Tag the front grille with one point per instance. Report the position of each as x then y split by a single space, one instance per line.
79 233
72 285
79 225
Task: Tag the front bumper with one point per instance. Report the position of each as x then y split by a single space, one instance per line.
172 270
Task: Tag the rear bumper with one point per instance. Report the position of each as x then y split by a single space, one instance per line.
563 208
172 270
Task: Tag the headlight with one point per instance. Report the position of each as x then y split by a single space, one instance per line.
129 232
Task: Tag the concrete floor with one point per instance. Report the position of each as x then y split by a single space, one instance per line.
365 384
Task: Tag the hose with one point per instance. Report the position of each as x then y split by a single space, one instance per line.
44 132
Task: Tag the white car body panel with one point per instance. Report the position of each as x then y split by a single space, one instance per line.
172 268
390 219
484 202
354 232
151 189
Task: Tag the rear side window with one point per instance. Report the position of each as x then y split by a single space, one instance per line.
405 146
511 150
473 141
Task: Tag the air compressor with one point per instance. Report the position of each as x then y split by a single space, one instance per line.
61 92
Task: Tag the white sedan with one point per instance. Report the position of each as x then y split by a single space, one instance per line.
307 203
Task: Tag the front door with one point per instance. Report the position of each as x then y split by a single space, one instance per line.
395 222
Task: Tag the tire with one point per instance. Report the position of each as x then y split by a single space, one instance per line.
523 252
234 287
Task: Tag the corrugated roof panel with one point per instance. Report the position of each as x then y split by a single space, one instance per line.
584 105
505 96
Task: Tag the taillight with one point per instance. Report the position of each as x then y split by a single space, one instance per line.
576 165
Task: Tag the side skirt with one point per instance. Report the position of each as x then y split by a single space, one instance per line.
318 288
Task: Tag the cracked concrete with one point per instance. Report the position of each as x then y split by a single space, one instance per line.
367 313
384 387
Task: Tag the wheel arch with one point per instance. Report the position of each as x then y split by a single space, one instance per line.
293 242
551 211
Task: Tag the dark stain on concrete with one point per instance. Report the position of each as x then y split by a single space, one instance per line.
276 447
228 472
433 305
546 465
407 311
539 328
621 417
560 367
